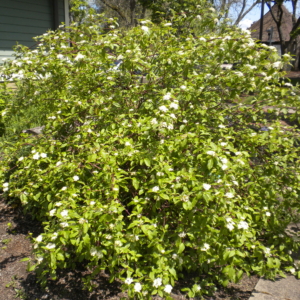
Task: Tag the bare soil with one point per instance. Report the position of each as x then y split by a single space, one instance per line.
17 283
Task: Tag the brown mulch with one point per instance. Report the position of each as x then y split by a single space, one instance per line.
17 283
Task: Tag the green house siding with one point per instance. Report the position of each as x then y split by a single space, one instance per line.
21 20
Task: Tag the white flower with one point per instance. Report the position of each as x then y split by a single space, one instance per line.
170 126
82 221
40 259
127 144
154 121
118 243
155 189
50 246
168 24
93 251
240 161
267 251
60 56
277 64
185 198
268 214
224 160
63 188
212 153
198 288
58 163
243 225
43 155
205 247
52 212
222 126
145 28
79 56
212 9
168 288
160 174
75 178
182 234
174 256
229 195
92 202
5 184
108 236
64 224
238 153
206 186
239 74
163 108
137 287
288 84
202 39
39 238
21 158
128 280
5 189
293 271
36 156
224 167
230 226
184 121
167 96
157 282
172 116
64 213
174 105
183 87
223 144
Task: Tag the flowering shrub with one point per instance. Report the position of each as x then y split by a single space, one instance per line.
155 168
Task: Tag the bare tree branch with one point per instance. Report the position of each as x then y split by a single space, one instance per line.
115 8
242 14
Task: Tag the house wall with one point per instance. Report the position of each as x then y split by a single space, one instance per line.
21 20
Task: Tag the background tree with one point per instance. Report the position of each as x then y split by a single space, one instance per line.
293 44
235 9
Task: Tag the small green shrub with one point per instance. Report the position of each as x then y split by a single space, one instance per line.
153 177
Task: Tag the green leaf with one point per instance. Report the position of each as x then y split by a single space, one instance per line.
85 228
25 259
86 239
164 196
147 162
210 164
60 256
135 183
181 248
31 268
